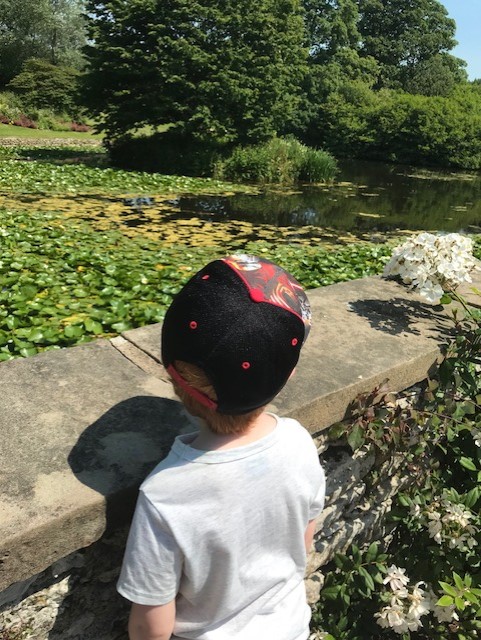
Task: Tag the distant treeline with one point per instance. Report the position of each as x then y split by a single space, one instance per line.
359 78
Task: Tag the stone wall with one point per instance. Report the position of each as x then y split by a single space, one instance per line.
83 426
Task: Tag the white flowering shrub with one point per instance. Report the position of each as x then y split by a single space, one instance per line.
433 264
425 582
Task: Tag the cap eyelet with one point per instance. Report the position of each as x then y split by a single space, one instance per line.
206 277
246 365
294 341
193 324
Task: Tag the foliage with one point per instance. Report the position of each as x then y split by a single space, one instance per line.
400 35
437 76
52 30
280 160
46 177
42 85
399 127
226 72
436 518
331 26
62 283
10 106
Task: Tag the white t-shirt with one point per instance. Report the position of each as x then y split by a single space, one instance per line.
223 532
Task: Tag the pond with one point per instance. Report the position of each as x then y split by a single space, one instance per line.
367 197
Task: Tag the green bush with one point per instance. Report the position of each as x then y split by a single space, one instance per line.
281 160
10 106
443 131
41 85
317 166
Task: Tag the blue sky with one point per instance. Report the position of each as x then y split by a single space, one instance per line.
467 14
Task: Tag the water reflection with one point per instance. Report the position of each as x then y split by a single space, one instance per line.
368 197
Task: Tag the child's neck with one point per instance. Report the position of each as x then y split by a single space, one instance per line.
207 440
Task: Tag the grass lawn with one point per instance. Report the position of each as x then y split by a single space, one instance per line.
10 131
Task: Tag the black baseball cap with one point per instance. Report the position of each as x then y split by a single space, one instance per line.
242 320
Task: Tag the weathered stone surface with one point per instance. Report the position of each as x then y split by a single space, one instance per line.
363 332
80 428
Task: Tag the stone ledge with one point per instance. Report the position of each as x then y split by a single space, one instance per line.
81 427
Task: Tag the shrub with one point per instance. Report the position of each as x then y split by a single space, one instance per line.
79 127
281 160
317 166
10 106
24 121
41 85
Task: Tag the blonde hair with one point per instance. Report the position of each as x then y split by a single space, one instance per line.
220 423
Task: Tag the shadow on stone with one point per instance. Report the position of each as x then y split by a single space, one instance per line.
115 453
398 315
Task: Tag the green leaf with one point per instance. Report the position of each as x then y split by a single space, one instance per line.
331 593
356 437
337 431
119 327
447 588
469 595
371 553
445 601
93 326
458 581
35 335
367 578
467 463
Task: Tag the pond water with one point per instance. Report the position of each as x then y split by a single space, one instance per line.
366 197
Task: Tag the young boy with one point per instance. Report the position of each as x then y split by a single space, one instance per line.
217 548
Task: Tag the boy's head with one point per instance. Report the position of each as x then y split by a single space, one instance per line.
242 321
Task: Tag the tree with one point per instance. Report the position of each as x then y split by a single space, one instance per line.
331 25
42 85
333 40
227 71
400 34
437 76
52 30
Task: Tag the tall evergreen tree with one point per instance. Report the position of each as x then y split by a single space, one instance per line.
226 71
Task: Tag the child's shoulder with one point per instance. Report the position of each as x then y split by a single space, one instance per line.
294 432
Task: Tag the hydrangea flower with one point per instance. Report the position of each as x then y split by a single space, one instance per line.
432 264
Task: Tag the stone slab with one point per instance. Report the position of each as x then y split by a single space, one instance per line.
364 332
80 428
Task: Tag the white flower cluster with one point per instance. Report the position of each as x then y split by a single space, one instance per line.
451 523
432 264
408 606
